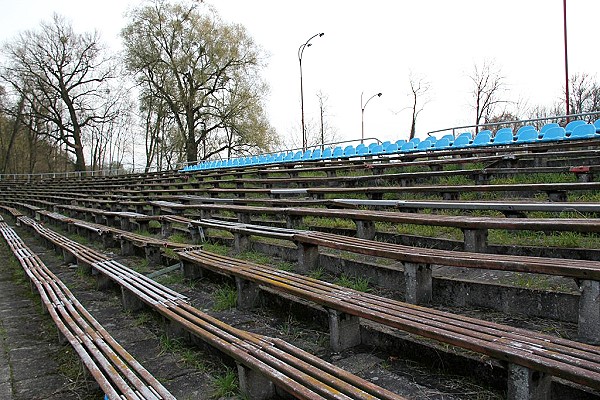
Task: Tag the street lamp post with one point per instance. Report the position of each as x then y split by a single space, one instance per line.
300 52
362 107
568 111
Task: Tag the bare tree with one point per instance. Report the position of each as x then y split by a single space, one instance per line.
204 70
584 95
487 89
419 88
62 75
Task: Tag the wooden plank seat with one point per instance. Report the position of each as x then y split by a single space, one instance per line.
263 362
480 175
555 191
116 371
475 229
417 264
152 247
417 269
567 359
509 208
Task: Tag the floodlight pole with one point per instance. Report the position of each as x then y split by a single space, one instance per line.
300 53
362 108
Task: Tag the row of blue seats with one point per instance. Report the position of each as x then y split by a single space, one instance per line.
525 135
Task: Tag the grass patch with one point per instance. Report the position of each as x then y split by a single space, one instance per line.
179 238
254 257
357 283
225 385
153 224
225 298
216 248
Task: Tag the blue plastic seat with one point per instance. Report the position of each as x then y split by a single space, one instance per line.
597 125
527 136
415 140
376 150
442 144
585 131
371 145
483 138
288 157
337 152
316 154
391 148
425 145
327 153
505 137
349 151
400 142
503 131
548 126
524 128
362 150
573 124
553 134
408 147
307 155
463 140
298 155
387 143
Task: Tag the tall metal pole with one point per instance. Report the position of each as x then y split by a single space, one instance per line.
566 59
300 53
362 108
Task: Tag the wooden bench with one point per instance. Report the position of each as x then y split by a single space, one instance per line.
264 363
417 263
520 348
129 241
555 191
508 208
475 229
116 371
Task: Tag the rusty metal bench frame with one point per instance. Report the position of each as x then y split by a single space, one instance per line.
263 362
552 355
115 370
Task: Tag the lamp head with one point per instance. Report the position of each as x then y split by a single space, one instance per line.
379 94
321 34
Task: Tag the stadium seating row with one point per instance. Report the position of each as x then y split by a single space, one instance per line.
551 132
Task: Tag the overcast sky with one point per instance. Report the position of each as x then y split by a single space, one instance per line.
372 46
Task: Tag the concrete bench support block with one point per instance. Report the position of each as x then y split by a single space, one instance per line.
130 301
127 248
527 384
143 226
107 240
308 257
244 218
344 330
68 257
104 282
589 312
175 330
247 293
254 384
110 220
365 229
241 242
166 229
125 224
293 221
191 271
476 240
153 255
418 283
